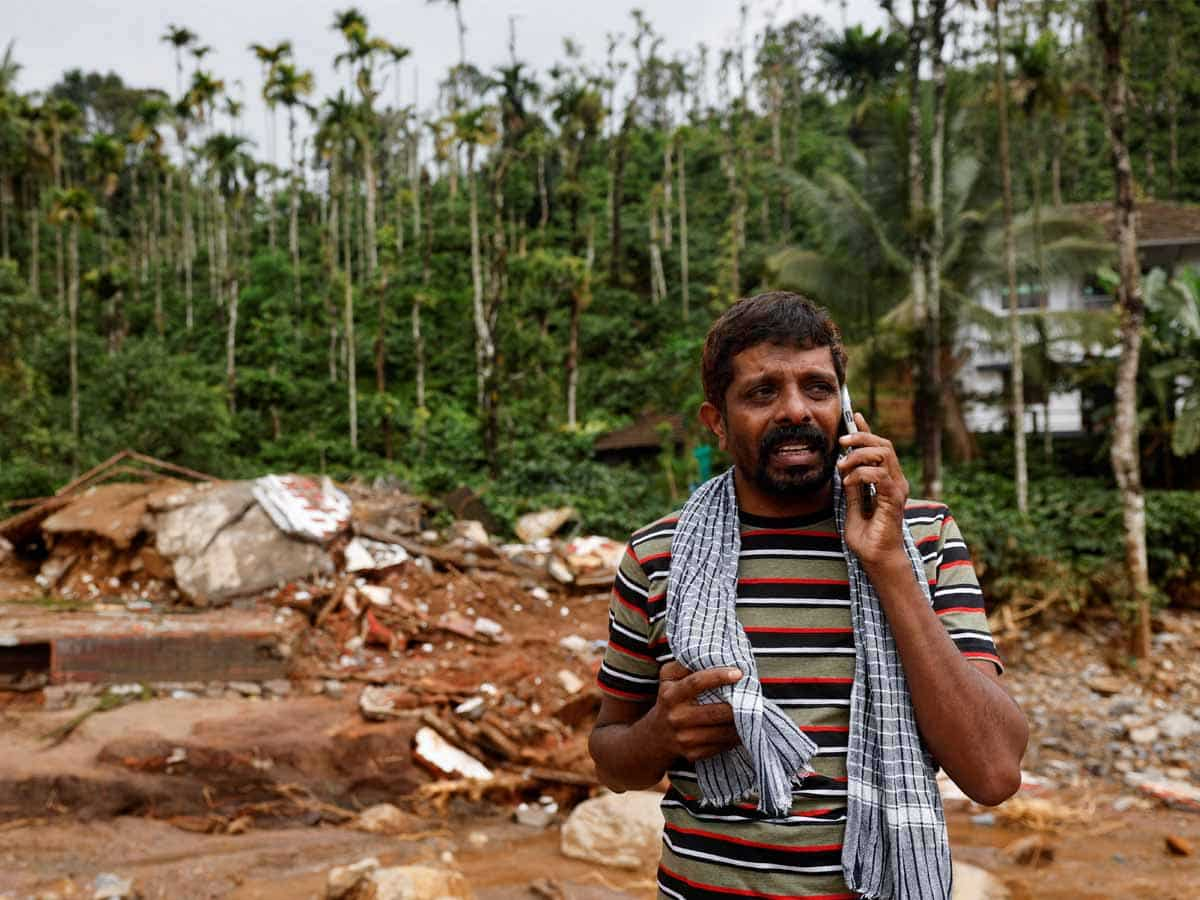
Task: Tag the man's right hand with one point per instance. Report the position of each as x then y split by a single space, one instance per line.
690 729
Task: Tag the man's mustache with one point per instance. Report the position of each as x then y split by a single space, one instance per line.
793 434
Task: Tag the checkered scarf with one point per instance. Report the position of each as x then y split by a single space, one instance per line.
896 844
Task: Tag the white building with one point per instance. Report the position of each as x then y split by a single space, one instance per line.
1168 237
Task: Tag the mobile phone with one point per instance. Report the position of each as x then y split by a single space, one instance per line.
868 490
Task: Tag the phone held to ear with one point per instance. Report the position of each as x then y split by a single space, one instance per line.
868 490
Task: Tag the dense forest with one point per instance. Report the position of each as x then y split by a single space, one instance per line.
469 293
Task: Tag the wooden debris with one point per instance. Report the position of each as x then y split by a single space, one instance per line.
1178 846
1031 850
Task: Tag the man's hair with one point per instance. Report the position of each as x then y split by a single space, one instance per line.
776 317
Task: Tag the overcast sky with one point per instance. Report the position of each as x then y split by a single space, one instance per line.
52 36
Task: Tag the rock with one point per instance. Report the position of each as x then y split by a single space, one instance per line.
420 883
472 708
246 688
470 530
488 627
986 819
535 815
376 594
278 687
1178 846
973 883
352 882
1147 734
108 886
622 830
6 550
383 818
1178 726
1106 685
571 683
573 643
1031 850
333 688
544 523
224 545
437 754
363 554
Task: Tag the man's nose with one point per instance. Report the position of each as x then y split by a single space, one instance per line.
794 408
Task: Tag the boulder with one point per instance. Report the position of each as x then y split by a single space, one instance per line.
622 830
223 544
420 883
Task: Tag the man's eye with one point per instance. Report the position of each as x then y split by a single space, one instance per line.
761 392
820 390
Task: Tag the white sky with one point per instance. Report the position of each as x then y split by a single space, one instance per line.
52 36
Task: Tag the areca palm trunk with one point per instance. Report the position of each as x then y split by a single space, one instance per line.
1125 460
35 244
228 283
189 249
1010 265
73 342
348 326
418 338
476 277
935 409
579 297
294 218
375 283
658 279
155 224
683 232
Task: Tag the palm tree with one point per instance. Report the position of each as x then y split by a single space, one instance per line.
858 265
227 161
290 86
335 138
180 39
73 207
270 57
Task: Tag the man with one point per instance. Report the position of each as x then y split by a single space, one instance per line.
796 581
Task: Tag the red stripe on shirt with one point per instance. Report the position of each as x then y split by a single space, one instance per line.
959 609
746 892
743 842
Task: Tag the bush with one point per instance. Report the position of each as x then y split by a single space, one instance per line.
1070 548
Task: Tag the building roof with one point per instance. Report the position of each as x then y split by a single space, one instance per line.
1157 222
642 434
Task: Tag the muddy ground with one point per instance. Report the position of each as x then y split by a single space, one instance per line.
218 794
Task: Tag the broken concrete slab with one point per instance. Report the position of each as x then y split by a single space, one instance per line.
311 509
224 545
115 511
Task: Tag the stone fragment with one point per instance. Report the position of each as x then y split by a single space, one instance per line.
1031 850
108 886
1178 726
488 627
544 523
383 818
436 753
1106 685
621 830
571 683
1147 734
352 882
470 531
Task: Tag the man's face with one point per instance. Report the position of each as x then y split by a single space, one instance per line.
780 425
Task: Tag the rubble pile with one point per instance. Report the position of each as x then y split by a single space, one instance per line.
1091 715
207 542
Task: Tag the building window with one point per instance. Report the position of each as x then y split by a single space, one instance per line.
1031 296
1095 295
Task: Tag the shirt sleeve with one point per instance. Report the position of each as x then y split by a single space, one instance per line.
629 670
957 597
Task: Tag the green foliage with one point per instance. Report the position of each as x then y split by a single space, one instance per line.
1069 550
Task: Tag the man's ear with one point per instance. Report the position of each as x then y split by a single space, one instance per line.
712 418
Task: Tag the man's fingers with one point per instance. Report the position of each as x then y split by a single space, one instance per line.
861 423
673 671
693 714
707 679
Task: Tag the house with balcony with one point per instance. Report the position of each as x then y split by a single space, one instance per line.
1168 237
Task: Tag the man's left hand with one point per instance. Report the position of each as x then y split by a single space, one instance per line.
879 538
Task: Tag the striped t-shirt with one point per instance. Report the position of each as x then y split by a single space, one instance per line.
793 600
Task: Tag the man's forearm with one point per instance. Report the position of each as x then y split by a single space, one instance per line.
629 755
970 724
